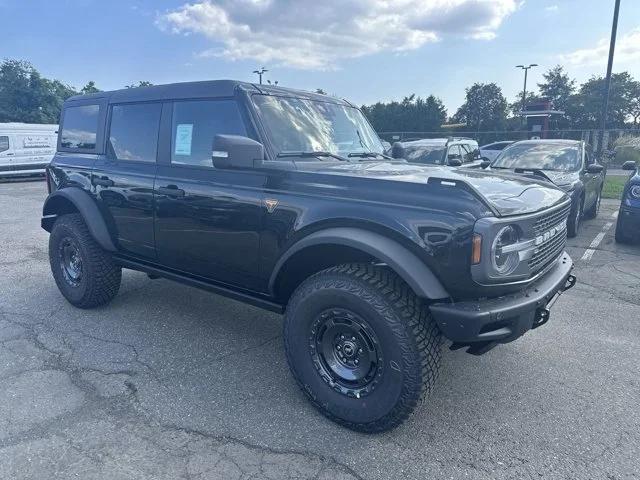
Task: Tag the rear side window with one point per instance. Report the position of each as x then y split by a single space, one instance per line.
80 127
133 132
4 143
194 125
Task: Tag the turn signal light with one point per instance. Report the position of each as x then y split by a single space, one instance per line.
476 249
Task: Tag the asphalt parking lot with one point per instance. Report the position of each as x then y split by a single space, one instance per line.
172 382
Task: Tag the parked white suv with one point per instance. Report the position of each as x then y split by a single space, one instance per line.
25 149
492 150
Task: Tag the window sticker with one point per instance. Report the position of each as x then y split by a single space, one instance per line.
184 133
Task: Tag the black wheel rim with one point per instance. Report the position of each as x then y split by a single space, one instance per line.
346 352
70 261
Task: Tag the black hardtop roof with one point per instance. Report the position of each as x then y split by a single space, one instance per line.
202 89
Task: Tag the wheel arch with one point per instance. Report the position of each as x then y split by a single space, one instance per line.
75 200
333 246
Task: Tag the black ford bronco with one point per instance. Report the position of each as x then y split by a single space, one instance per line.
284 199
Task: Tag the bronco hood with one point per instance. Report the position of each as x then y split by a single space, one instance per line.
504 193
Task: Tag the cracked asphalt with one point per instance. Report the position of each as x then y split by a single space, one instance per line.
172 382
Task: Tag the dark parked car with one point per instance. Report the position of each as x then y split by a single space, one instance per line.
284 200
569 164
628 223
452 151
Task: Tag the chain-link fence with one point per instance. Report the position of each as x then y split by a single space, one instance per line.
624 142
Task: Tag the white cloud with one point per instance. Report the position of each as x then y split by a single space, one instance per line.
627 49
317 34
552 8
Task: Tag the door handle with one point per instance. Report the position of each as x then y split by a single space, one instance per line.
103 182
171 191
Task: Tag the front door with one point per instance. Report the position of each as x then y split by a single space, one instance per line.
208 220
123 178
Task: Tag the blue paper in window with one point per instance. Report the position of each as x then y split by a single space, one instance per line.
184 133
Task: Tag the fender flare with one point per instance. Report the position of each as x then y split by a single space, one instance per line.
86 206
407 265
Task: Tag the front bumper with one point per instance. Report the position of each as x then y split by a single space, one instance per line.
482 324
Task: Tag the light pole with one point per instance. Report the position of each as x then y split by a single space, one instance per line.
524 90
260 72
607 82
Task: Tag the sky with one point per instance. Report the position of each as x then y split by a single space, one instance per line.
365 51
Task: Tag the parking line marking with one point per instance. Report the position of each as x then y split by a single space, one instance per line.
615 215
596 241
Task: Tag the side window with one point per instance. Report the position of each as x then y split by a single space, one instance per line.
80 127
454 150
194 125
467 153
4 143
133 132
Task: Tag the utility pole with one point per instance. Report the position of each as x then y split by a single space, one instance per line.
607 82
524 90
260 72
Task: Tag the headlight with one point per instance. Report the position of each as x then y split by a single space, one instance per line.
635 191
504 254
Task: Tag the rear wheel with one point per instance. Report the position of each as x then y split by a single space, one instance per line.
84 273
575 219
361 345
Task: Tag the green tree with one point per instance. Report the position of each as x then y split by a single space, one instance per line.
412 114
90 87
557 87
485 108
634 103
25 96
584 108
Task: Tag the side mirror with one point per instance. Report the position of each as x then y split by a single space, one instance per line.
629 165
454 160
234 151
594 168
397 151
485 163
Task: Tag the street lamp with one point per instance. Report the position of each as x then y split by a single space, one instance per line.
260 72
524 90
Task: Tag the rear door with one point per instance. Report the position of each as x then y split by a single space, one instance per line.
123 178
6 153
591 180
208 220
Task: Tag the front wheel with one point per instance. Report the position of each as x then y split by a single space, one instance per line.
361 345
575 219
84 273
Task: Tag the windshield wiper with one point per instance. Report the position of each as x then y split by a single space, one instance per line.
370 155
316 154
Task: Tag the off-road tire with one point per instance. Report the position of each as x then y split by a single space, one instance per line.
593 210
100 279
410 343
575 219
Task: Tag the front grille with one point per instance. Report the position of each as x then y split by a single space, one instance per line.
549 220
549 250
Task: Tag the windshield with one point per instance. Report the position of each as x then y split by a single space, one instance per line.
302 125
425 154
542 156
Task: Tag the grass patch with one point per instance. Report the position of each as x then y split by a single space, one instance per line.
613 187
